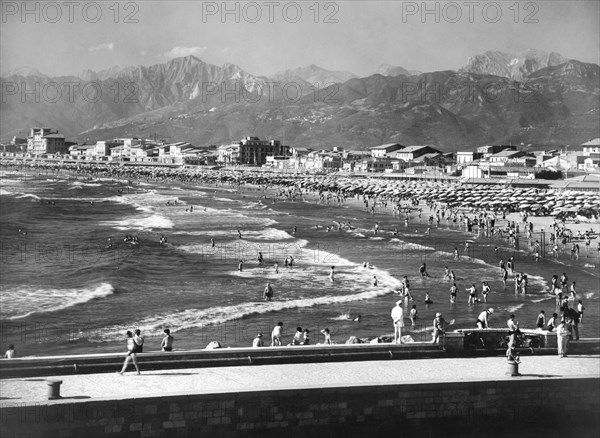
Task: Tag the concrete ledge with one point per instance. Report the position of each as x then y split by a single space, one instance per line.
97 363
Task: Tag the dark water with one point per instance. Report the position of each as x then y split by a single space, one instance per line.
67 289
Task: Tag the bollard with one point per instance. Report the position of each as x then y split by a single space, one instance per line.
513 368
53 388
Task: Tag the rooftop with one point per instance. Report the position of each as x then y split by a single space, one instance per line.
593 142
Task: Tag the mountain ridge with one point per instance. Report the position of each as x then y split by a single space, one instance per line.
189 99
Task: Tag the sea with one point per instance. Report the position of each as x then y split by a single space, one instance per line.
71 284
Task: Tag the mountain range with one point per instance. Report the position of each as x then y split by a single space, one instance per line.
532 97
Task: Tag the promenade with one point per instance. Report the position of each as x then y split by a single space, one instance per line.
291 376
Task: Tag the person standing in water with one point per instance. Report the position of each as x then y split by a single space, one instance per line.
453 290
268 293
485 291
332 273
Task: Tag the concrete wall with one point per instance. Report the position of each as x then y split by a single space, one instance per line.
510 407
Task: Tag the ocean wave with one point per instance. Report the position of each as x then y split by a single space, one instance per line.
410 245
85 184
22 302
513 309
29 195
141 223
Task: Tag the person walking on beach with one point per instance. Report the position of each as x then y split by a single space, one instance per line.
482 319
167 341
398 320
132 349
276 335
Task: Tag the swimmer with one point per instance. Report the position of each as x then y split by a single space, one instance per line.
357 319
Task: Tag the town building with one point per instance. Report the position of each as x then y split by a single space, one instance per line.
383 150
46 141
467 156
103 147
488 150
251 150
411 152
591 147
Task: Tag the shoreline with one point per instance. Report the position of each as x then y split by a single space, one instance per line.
277 184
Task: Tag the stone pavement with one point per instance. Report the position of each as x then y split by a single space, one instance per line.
289 376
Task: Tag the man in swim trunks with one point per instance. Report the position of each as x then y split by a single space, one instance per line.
482 320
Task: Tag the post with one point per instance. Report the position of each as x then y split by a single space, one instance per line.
54 388
513 368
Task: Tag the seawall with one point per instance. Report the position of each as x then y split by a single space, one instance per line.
527 406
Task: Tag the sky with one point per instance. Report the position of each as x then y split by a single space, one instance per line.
263 37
